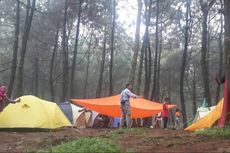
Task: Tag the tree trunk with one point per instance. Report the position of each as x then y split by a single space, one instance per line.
147 65
147 50
65 58
169 88
36 67
52 91
102 66
136 45
112 51
87 67
28 22
169 84
159 67
72 82
148 70
220 54
183 65
43 87
153 95
139 75
204 66
194 104
15 48
227 44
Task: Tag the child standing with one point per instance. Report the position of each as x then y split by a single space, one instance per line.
177 119
158 120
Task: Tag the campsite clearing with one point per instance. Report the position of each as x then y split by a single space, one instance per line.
136 139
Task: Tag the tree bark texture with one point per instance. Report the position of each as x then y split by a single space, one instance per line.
147 50
36 74
218 89
194 93
183 65
112 50
72 78
139 74
159 67
154 89
102 66
65 63
25 36
136 45
51 79
227 47
204 66
87 67
15 50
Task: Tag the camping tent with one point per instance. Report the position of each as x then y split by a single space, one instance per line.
33 112
203 111
99 120
110 106
208 120
82 118
79 117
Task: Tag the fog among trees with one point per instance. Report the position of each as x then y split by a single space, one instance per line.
62 49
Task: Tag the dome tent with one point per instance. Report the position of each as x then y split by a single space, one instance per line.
33 112
83 118
78 116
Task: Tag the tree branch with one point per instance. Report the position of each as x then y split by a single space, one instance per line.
31 8
211 4
5 69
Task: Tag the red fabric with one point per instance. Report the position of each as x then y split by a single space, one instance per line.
165 112
226 106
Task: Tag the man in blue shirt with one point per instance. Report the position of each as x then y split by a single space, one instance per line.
125 106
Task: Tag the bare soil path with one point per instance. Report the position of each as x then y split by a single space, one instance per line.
153 140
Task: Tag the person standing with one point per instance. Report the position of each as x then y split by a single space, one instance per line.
177 120
158 120
125 105
165 113
4 100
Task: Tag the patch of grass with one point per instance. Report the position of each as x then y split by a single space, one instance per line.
131 151
102 144
215 132
85 145
131 131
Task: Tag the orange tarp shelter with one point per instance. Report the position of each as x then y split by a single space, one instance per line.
110 106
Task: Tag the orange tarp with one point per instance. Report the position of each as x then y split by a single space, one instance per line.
110 106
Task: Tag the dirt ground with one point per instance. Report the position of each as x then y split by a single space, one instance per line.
154 140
